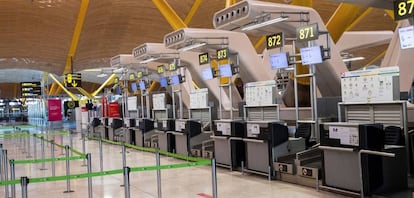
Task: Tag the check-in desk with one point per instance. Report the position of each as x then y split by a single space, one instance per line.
103 129
115 128
96 126
266 141
144 132
356 161
165 138
229 148
189 137
127 135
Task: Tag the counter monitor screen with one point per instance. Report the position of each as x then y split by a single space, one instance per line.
163 81
207 73
118 90
279 60
311 55
133 86
142 85
225 70
175 79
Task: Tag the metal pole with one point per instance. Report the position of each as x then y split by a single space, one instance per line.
34 146
126 182
42 144
23 182
231 101
68 190
220 108
100 154
83 149
158 162
214 177
70 142
12 177
1 163
28 146
52 153
6 173
123 155
61 143
88 157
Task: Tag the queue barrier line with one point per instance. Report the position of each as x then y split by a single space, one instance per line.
34 161
109 172
152 150
25 134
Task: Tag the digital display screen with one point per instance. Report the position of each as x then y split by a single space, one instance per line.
279 60
133 86
118 90
207 73
164 81
311 55
406 35
225 70
175 79
142 85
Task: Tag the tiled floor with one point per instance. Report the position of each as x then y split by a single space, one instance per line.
176 183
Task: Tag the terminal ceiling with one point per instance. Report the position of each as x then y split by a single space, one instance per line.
37 34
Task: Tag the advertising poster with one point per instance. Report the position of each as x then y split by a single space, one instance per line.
114 110
54 107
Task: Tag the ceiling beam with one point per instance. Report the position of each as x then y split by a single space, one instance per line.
76 35
169 14
192 11
359 19
73 96
375 59
230 2
344 15
307 3
259 42
109 80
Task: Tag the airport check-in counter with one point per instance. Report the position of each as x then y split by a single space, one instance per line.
229 148
346 162
164 125
266 141
143 132
103 129
96 126
115 128
128 134
189 136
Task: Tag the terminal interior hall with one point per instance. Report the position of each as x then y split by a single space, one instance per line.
206 98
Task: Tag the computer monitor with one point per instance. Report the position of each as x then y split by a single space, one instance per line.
207 73
142 85
279 60
134 86
164 81
175 79
118 90
311 55
225 70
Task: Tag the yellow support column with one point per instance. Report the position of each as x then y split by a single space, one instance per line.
108 81
344 15
230 2
63 88
169 14
192 11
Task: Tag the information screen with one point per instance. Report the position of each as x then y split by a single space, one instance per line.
118 90
163 81
311 55
207 73
279 60
225 70
133 86
142 85
175 79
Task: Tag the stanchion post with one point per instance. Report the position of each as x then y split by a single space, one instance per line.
34 146
42 145
12 177
158 162
70 142
126 182
214 177
52 153
123 155
89 163
61 143
83 149
1 163
24 181
6 172
68 190
100 154
29 155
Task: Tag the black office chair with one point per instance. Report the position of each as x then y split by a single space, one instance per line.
304 130
393 135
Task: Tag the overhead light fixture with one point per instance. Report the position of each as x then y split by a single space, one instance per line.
353 59
192 46
265 23
101 75
149 60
